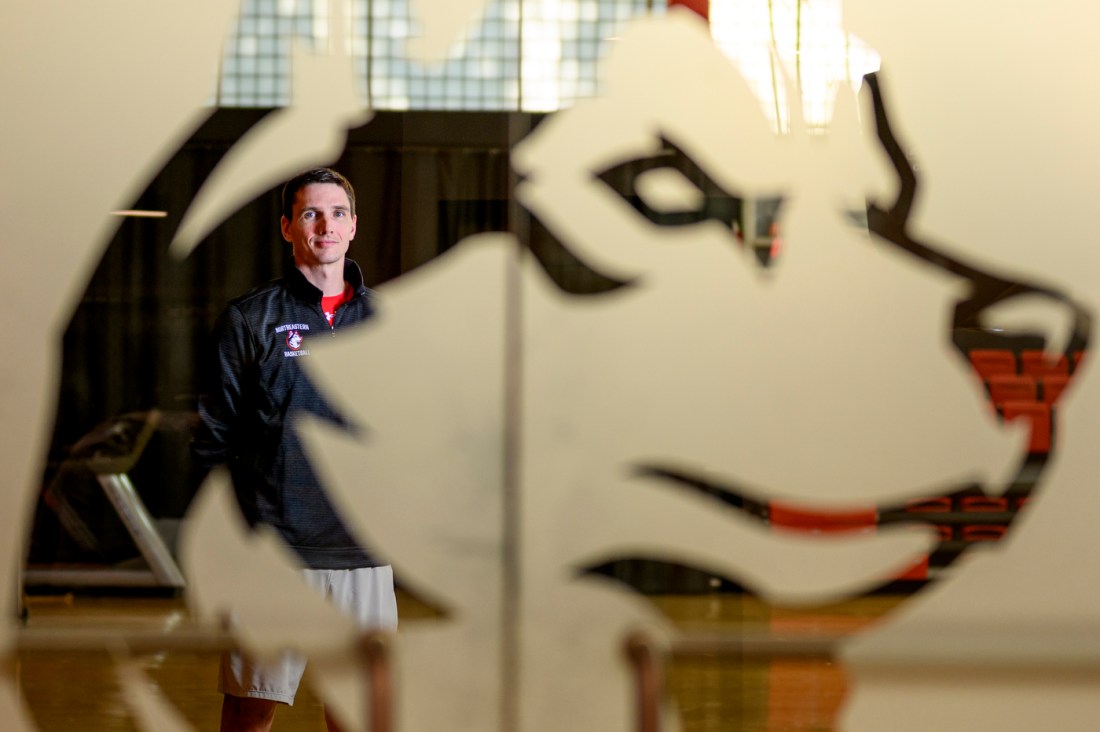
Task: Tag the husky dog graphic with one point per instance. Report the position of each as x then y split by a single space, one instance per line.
826 381
521 435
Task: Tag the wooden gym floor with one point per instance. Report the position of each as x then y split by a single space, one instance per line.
68 691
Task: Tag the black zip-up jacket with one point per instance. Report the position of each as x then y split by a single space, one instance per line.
254 385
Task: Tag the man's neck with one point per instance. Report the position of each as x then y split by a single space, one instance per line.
328 278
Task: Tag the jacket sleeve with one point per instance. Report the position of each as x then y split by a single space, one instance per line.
221 397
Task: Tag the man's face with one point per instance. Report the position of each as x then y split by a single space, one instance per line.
321 226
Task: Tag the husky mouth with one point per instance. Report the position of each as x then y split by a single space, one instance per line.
988 515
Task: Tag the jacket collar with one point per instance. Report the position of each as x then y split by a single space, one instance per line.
300 286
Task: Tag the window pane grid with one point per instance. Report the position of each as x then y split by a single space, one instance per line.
562 43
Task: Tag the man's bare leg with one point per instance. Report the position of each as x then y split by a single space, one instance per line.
245 714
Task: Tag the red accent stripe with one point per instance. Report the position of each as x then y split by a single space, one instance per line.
699 7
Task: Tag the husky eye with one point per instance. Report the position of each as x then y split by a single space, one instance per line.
669 189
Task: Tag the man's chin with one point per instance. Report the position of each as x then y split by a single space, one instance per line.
324 258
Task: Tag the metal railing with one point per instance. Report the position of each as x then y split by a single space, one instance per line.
375 649
1068 652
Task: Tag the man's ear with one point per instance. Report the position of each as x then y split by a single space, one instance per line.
284 226
354 221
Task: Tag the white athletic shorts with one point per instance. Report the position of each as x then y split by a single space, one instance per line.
366 594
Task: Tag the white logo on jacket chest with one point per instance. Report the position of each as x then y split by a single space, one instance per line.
294 338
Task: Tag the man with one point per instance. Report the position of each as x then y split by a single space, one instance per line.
255 387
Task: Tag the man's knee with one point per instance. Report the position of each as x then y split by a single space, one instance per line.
246 714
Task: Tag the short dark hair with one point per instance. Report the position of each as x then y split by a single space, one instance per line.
316 175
